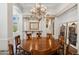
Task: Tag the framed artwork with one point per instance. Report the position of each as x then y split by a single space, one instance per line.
72 33
34 26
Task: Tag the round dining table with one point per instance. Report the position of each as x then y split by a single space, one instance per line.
40 46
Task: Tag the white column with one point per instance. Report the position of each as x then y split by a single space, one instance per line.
5 25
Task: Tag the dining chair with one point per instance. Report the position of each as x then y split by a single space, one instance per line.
19 49
18 45
10 49
61 42
29 36
38 35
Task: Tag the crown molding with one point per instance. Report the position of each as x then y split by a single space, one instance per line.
64 9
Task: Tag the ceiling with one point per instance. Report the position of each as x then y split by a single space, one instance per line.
52 8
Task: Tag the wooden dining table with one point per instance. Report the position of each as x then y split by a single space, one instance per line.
40 46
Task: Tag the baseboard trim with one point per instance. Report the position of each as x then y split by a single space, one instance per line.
3 50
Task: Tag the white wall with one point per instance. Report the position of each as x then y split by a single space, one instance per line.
42 26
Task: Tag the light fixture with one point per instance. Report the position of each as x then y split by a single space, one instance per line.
39 11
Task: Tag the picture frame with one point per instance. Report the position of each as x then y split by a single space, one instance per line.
34 26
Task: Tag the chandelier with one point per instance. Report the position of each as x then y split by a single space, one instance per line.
39 11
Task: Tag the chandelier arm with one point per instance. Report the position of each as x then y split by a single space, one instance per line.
39 11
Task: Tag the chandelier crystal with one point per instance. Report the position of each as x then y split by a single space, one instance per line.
39 11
